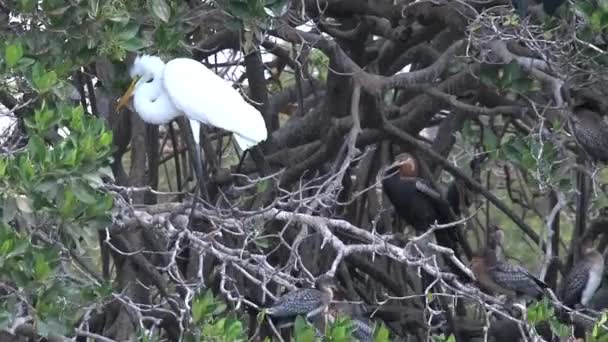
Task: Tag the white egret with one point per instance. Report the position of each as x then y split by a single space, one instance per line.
162 92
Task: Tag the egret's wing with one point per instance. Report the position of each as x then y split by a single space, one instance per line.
204 96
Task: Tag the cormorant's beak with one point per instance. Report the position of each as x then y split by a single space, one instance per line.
125 98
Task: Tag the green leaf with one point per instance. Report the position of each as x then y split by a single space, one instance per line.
41 268
36 148
303 332
510 153
19 248
161 10
119 16
13 54
105 139
381 333
262 243
83 194
26 62
596 21
130 31
3 164
43 81
234 330
93 10
132 44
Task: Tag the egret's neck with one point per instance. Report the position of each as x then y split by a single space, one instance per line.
153 104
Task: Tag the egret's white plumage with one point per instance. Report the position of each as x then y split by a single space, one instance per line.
184 86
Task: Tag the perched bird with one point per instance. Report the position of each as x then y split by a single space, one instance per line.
590 132
183 86
500 277
417 202
309 302
585 277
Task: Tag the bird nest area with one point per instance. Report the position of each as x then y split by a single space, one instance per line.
316 200
539 41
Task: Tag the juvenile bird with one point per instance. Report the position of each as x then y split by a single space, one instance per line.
307 301
584 278
590 132
500 277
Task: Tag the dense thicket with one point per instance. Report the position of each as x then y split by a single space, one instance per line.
103 239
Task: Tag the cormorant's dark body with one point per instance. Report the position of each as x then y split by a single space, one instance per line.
421 206
416 207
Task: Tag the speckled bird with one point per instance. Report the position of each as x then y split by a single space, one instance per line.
590 132
309 302
584 278
500 277
417 202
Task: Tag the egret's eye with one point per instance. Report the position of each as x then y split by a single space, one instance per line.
149 80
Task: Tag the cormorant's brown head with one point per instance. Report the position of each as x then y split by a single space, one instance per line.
407 165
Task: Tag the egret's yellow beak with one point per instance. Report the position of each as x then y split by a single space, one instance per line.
125 98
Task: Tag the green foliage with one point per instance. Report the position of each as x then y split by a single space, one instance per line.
543 311
508 78
303 332
599 333
52 187
51 202
595 14
212 322
60 178
540 158
33 274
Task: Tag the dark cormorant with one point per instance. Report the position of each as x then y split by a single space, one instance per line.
420 205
